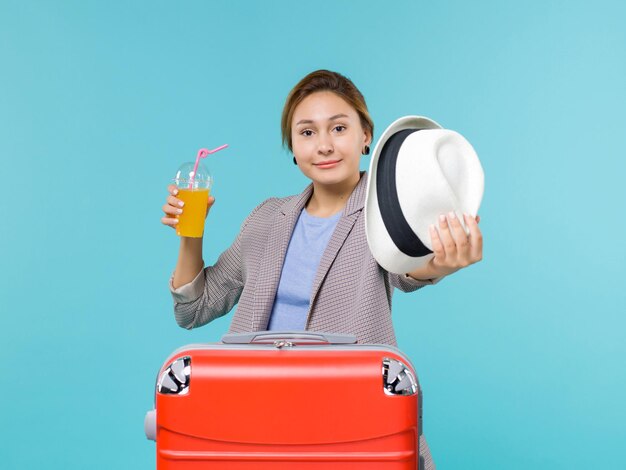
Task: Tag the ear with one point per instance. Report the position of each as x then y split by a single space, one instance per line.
367 137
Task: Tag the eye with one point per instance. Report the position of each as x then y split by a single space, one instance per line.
307 132
340 128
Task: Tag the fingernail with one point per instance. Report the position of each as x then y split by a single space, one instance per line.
179 211
442 218
175 192
181 203
452 215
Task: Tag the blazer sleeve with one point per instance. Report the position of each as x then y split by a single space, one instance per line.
216 289
407 284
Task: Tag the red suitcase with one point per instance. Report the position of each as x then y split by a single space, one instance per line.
286 400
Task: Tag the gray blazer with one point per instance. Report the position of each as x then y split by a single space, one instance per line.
351 292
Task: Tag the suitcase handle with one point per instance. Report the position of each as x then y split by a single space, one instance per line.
293 337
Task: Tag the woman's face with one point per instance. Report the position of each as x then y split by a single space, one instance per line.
327 138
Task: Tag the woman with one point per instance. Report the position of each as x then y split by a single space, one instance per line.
302 262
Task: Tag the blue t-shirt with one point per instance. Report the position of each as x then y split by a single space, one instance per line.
304 253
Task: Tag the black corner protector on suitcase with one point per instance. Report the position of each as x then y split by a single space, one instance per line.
175 378
398 379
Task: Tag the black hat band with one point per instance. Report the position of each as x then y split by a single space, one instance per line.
398 228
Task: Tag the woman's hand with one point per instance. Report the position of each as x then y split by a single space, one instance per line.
173 207
453 248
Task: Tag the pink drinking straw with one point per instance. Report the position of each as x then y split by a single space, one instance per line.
202 153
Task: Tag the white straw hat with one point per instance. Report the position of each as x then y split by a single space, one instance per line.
418 171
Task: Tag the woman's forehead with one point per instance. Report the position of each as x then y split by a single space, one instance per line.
322 106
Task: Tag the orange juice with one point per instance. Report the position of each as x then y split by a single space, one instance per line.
191 221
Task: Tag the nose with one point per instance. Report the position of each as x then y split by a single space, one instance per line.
325 145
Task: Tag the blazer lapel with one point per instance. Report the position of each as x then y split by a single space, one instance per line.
271 263
351 213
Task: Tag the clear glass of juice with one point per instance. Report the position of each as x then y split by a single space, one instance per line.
193 190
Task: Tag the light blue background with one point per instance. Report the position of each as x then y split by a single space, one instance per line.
521 356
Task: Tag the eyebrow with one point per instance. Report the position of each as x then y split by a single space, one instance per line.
332 118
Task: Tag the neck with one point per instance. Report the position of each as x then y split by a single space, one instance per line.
327 200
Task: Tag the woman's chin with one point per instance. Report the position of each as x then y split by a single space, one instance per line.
330 178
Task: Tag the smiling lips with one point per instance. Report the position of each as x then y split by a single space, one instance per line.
327 164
